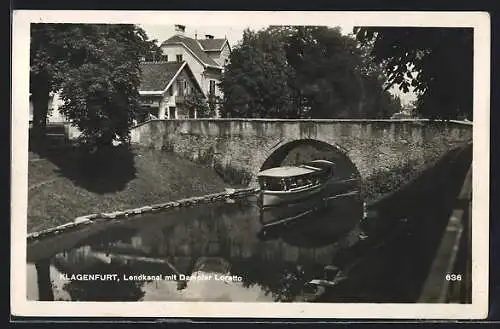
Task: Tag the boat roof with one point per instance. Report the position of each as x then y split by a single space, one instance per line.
321 161
287 171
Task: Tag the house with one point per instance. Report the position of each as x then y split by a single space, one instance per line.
164 89
58 125
206 58
54 116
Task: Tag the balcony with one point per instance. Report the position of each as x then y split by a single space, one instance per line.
149 103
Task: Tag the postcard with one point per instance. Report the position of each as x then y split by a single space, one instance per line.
196 164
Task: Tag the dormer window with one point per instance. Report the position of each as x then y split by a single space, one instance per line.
178 57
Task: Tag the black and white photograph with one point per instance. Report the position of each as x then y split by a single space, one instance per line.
279 164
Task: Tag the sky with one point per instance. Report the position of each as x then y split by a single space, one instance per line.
234 34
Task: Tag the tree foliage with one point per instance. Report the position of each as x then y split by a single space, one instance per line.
437 63
95 68
197 102
256 80
304 71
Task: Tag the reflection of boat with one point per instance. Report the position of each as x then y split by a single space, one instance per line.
292 192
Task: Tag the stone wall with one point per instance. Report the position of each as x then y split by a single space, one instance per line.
240 146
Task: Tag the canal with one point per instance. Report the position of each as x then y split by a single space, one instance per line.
149 257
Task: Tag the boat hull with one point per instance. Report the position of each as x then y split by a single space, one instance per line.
280 208
276 198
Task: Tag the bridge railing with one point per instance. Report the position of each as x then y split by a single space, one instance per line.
460 122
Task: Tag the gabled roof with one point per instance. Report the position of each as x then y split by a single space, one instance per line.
157 77
212 44
194 46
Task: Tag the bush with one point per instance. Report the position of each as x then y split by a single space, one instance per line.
384 181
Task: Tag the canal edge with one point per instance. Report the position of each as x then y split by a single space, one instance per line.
229 194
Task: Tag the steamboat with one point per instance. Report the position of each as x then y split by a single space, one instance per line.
291 192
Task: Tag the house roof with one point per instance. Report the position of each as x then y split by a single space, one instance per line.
194 46
212 44
157 75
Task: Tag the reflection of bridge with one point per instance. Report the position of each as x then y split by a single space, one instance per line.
171 243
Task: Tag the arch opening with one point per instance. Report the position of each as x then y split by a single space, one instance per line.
298 151
341 203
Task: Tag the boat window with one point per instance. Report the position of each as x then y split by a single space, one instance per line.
284 184
302 181
273 183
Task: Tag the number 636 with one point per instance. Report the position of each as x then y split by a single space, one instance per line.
453 277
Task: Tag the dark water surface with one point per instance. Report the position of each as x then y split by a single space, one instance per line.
264 265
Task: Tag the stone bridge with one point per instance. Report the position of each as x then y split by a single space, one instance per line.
240 148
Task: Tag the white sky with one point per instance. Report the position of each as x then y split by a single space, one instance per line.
234 35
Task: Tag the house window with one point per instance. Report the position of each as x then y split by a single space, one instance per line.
212 87
179 58
170 91
171 112
182 87
164 58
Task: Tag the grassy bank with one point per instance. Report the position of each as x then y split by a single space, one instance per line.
64 184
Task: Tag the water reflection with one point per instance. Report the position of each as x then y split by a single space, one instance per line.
273 265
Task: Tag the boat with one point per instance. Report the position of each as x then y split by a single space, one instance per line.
286 184
292 192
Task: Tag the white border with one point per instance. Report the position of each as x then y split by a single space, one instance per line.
20 90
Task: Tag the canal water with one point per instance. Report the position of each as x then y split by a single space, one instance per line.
239 260
224 246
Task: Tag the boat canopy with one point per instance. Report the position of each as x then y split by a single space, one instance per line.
293 171
286 171
322 163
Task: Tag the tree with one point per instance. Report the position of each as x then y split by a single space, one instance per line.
255 83
95 67
325 70
321 74
47 61
196 102
434 62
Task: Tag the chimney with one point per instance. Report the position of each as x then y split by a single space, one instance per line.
180 29
209 36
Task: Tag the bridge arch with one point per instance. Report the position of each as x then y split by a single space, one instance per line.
297 151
